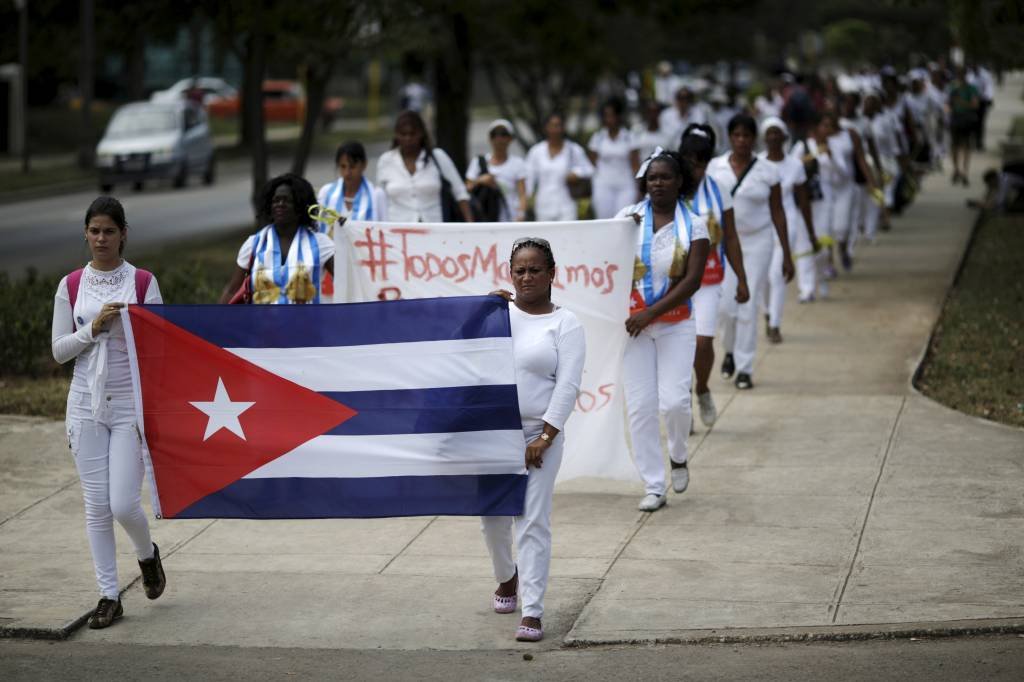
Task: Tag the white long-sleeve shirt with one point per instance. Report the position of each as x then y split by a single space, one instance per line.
549 353
94 290
416 197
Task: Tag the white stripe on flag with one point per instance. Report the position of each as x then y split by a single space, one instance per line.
389 366
424 454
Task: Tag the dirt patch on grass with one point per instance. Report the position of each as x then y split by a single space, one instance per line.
975 363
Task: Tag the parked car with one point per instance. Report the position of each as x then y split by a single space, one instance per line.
283 101
148 140
204 89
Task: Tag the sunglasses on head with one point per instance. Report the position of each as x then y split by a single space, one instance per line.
531 241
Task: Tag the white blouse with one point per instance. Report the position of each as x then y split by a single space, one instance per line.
101 362
549 353
614 168
546 175
507 175
649 140
791 173
416 197
751 209
663 243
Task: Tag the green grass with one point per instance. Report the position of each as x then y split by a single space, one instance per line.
16 181
976 360
40 397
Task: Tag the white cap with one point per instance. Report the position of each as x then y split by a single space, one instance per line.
500 123
774 122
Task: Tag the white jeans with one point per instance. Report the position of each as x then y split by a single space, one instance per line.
656 374
739 320
775 295
550 210
532 530
108 455
705 309
609 198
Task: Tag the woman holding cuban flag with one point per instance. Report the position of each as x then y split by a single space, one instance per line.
670 255
283 262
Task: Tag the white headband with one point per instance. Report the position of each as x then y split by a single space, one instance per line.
658 151
700 132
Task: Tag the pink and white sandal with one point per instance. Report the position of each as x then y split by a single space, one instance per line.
505 604
525 633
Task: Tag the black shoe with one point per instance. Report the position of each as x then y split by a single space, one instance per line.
728 366
153 578
743 381
107 611
847 262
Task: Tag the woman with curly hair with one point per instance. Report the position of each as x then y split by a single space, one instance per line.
285 259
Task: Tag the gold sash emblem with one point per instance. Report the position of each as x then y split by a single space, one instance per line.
300 288
266 290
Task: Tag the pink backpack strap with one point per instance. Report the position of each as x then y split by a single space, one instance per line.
142 280
74 281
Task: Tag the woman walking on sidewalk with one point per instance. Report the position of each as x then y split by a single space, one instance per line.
657 363
552 165
101 421
799 221
616 159
757 201
549 349
715 207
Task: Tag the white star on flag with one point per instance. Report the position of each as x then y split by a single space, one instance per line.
223 413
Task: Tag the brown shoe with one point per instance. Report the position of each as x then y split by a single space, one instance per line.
774 335
153 578
107 611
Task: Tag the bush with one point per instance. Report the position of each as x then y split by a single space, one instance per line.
26 307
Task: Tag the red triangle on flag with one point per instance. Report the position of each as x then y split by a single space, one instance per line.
212 417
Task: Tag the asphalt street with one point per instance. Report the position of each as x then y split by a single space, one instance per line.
977 658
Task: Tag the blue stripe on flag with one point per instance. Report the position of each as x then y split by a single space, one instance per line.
345 324
319 498
429 410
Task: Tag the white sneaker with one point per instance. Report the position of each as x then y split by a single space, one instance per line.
708 413
680 479
651 502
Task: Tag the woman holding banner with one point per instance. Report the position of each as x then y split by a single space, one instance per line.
715 206
101 419
549 348
670 256
283 262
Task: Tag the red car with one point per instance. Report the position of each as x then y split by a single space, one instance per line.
283 101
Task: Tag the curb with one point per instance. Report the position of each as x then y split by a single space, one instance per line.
58 633
852 633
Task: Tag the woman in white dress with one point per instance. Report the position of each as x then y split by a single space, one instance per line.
616 158
101 421
550 166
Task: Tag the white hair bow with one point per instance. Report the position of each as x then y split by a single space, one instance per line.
658 151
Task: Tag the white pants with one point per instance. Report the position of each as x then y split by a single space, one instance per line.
806 274
108 455
872 216
608 199
775 292
656 374
739 321
553 210
532 530
844 198
705 309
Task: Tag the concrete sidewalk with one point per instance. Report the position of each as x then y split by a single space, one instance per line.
832 498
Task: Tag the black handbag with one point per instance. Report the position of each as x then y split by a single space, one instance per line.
451 212
580 188
485 202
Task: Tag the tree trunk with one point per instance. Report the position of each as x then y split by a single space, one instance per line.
85 82
318 74
453 86
195 44
253 124
136 64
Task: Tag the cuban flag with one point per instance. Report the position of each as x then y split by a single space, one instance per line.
398 408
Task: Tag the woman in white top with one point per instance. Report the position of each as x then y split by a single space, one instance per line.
101 418
799 220
501 171
616 157
709 202
549 348
821 175
648 134
757 203
283 262
550 166
671 250
352 196
410 173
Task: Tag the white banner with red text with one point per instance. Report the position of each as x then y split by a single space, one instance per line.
594 261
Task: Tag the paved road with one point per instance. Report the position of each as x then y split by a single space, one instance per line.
988 658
